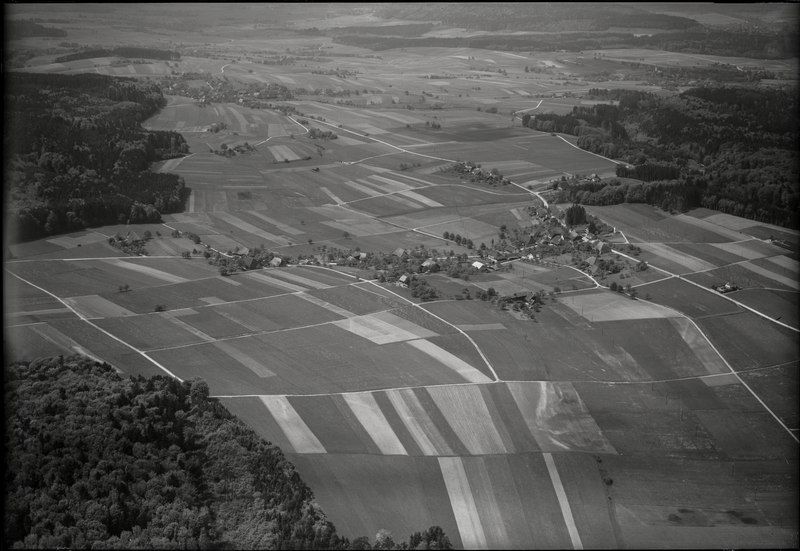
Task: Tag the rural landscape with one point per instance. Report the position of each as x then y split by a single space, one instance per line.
402 276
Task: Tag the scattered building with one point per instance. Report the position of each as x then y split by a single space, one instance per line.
275 262
727 288
429 264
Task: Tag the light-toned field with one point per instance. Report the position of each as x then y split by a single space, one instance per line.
609 306
689 263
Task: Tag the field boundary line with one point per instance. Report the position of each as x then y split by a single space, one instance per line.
587 151
83 318
563 502
85 259
368 391
539 382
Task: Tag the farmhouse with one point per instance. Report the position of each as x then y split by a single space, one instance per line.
429 265
399 251
275 262
479 266
249 263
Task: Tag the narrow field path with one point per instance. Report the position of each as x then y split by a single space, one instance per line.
563 502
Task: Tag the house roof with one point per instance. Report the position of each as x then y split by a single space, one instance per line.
478 265
399 251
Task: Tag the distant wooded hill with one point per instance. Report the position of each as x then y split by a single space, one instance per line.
122 51
732 149
95 459
24 28
76 155
751 44
539 16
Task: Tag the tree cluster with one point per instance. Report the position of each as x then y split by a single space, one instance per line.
574 215
316 133
94 459
76 154
465 241
474 173
130 244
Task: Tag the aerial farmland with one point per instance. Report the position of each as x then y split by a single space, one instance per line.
388 260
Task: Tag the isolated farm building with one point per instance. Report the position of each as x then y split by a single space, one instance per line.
249 263
361 256
602 247
591 260
399 251
243 251
275 262
479 266
403 279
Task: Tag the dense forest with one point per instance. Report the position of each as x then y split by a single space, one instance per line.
732 149
75 153
545 16
753 44
122 51
95 459
24 28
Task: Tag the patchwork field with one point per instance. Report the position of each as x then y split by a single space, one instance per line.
603 422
